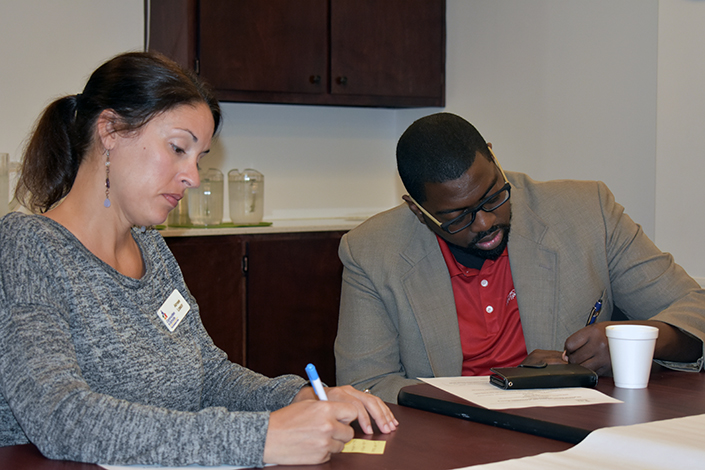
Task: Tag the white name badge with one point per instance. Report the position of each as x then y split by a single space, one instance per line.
173 310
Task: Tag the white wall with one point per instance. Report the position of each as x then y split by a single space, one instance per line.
48 49
317 161
680 162
563 89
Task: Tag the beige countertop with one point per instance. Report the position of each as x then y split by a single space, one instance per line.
278 226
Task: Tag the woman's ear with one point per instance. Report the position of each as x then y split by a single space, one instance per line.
106 128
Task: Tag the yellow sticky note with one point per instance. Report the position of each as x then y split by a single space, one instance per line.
365 446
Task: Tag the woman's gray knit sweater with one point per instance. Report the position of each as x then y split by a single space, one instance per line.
89 372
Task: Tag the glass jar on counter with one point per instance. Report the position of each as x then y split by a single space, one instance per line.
4 183
178 217
246 196
205 203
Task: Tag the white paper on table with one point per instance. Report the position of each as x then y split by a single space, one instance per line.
658 445
480 391
155 467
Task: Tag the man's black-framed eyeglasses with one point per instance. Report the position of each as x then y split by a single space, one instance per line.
467 217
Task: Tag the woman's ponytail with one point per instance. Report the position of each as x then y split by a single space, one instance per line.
50 164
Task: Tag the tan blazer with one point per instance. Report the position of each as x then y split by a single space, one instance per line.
569 242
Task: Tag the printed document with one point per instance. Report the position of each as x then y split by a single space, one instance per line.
480 391
157 467
658 445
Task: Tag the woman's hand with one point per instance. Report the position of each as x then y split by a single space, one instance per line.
309 431
366 404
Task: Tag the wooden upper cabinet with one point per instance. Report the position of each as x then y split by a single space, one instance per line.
265 45
388 48
173 30
388 53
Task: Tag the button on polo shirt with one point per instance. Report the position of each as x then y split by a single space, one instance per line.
488 314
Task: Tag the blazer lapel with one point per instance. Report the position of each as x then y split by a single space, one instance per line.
534 271
428 288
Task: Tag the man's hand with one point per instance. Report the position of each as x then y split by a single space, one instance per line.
589 348
544 356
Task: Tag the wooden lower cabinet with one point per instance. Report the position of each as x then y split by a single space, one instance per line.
269 301
212 269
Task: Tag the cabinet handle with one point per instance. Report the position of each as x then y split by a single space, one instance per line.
315 79
342 80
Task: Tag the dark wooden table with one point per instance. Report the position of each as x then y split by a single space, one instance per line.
428 440
670 394
423 441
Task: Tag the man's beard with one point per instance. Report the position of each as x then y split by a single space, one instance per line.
492 254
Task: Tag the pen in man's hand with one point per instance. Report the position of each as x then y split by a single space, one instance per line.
594 313
316 382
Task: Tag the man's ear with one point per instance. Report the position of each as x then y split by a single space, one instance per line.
106 128
414 209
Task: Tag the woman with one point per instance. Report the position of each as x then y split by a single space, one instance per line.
103 357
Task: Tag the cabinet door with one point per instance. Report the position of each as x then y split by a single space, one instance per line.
325 52
173 30
264 45
391 48
212 269
293 290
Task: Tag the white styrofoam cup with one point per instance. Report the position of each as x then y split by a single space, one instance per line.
631 352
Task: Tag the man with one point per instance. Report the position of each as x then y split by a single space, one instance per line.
482 269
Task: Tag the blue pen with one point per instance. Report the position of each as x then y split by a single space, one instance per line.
594 313
316 382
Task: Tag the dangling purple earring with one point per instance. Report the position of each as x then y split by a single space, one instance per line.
106 203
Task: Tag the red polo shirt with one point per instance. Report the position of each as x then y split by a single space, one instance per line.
488 314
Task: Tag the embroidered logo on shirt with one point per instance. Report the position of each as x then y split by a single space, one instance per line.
512 295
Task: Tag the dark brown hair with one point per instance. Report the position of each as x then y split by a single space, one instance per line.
137 86
435 149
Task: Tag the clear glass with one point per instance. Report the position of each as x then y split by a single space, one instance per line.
205 203
246 196
178 217
4 183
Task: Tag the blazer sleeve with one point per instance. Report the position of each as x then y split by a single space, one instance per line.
367 346
646 283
